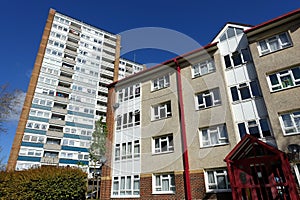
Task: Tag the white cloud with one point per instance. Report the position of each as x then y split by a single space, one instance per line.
18 103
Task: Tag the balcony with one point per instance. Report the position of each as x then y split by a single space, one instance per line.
109 49
101 108
72 43
52 147
105 80
67 69
55 133
103 89
108 41
107 73
61 99
57 122
75 26
63 89
69 60
50 160
108 56
71 52
65 79
105 64
103 99
59 110
74 35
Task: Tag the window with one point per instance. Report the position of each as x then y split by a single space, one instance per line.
212 136
245 91
161 82
237 58
284 79
128 120
203 68
163 144
231 32
163 183
129 93
274 43
217 180
126 186
33 138
297 172
208 99
162 111
290 123
127 149
257 127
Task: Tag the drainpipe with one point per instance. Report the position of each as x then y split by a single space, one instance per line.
186 173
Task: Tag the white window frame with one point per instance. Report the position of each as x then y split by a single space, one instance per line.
276 38
250 89
214 95
243 54
280 79
216 173
214 130
292 115
127 186
158 188
168 139
127 150
297 172
161 82
256 123
157 109
198 68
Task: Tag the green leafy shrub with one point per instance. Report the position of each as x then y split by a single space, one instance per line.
61 183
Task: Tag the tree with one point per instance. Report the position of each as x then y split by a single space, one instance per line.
9 103
98 147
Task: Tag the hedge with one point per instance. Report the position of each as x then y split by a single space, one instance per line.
48 182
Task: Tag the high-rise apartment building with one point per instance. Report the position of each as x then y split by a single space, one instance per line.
173 126
67 93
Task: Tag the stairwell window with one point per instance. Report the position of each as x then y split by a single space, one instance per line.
284 79
204 67
245 91
161 111
257 127
126 186
274 43
237 58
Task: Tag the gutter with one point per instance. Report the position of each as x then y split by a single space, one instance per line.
186 172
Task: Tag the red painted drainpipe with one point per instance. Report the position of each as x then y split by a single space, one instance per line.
187 182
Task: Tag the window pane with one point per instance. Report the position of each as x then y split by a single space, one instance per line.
265 127
254 88
221 181
263 45
274 79
246 55
236 57
230 32
211 178
274 44
165 185
296 73
287 121
234 94
253 129
245 93
227 61
242 130
208 100
286 81
284 39
239 31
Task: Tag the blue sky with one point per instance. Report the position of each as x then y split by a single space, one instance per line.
22 23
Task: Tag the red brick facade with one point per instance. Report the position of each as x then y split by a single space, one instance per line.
197 188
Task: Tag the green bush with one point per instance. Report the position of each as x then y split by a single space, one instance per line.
61 183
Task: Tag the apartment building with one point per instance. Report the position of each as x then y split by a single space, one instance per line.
173 126
67 93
